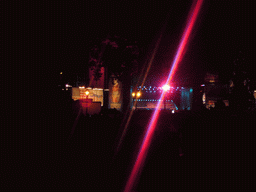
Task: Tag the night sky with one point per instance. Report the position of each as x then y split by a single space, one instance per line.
54 36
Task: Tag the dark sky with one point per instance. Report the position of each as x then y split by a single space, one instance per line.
53 36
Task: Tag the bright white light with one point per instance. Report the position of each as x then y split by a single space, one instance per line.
166 87
96 88
172 111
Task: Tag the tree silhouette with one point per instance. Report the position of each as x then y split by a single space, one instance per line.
119 56
241 94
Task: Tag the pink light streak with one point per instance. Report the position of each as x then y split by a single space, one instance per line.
151 127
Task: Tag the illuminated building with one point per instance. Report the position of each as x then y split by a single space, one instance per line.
177 98
214 91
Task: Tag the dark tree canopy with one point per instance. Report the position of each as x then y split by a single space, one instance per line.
241 93
117 54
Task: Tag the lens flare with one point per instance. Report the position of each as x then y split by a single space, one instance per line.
75 123
151 127
143 76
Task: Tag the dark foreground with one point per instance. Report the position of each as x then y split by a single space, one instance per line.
218 147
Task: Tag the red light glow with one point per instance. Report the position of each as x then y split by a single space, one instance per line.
151 127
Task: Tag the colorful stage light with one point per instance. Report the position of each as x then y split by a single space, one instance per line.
150 130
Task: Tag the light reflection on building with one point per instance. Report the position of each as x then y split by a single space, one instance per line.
214 91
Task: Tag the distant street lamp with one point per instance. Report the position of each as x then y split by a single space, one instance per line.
165 88
135 96
87 94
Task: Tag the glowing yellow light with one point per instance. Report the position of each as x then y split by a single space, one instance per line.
87 92
138 94
61 73
133 94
